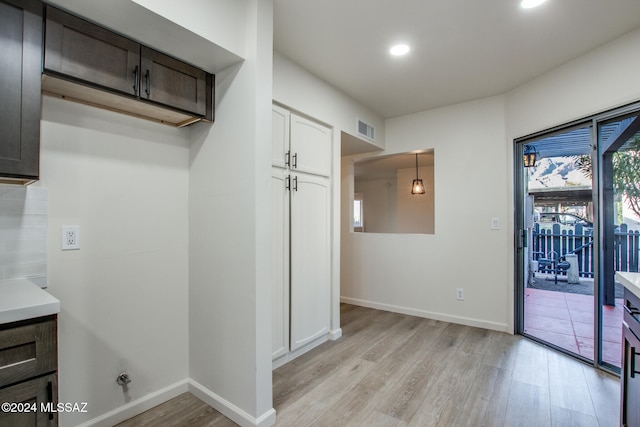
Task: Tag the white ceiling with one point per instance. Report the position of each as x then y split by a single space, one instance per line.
461 49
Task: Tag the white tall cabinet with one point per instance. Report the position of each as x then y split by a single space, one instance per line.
301 224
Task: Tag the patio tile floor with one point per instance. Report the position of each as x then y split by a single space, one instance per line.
566 320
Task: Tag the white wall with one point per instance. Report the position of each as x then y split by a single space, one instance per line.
419 273
598 81
473 183
380 210
123 295
220 21
171 282
229 223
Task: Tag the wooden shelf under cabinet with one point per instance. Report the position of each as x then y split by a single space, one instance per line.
64 89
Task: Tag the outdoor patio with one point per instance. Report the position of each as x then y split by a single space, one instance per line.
562 314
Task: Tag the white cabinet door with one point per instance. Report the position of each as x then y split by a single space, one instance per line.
310 146
310 258
280 136
280 262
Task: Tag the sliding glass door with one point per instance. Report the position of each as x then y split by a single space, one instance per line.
577 223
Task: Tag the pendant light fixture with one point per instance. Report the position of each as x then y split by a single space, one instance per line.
418 186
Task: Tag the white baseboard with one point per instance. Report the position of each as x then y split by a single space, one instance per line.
151 400
429 314
138 406
288 357
229 410
335 334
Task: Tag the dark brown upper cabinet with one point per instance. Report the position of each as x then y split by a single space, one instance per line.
20 68
78 49
90 64
171 82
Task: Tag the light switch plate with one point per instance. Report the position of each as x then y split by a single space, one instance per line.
495 223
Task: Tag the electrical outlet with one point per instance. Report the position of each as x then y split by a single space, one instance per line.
70 237
460 294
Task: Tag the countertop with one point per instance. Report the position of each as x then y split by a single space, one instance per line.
630 281
21 299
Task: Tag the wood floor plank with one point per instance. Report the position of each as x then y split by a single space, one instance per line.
567 385
379 419
528 406
532 364
184 410
390 369
313 404
446 397
562 417
397 363
604 390
502 353
392 338
405 398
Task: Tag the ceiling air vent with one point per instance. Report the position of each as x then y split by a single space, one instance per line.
366 130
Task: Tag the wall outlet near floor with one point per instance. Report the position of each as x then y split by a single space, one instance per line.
459 294
70 237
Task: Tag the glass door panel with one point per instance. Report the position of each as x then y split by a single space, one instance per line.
557 263
619 199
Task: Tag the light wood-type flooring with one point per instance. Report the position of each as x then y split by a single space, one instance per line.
390 369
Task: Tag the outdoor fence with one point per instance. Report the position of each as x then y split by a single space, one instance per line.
549 243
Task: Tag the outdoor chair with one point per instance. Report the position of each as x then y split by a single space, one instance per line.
553 263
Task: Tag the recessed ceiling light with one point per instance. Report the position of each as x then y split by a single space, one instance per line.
399 50
528 4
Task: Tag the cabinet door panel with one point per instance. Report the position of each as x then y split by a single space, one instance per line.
310 258
631 380
36 392
310 146
173 83
20 86
28 351
280 262
84 51
280 136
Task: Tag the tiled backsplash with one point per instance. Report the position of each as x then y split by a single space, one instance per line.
23 233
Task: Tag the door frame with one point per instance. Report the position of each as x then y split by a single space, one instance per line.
601 253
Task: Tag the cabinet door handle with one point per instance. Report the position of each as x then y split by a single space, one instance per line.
295 161
136 77
50 397
287 158
631 311
632 363
295 183
147 78
287 183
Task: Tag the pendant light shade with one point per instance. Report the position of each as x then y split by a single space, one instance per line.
417 187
